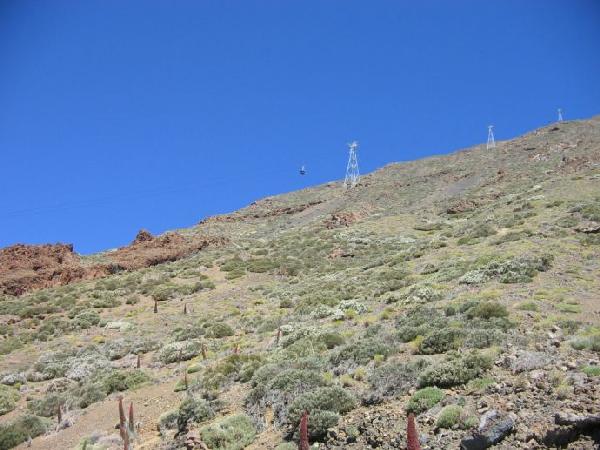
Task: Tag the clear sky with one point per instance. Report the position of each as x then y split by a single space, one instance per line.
122 114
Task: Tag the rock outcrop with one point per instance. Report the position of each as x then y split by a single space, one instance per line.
25 268
28 267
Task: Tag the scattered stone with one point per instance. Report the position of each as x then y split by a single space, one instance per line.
592 420
493 428
193 441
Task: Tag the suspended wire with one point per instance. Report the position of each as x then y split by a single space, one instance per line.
131 196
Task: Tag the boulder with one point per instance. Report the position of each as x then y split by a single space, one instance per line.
142 236
526 361
493 428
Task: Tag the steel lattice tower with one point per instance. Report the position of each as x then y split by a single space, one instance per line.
352 174
491 143
560 117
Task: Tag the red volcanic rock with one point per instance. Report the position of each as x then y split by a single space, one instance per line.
342 219
25 268
165 248
142 236
461 206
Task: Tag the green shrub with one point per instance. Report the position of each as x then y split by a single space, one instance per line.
162 293
483 337
449 416
567 222
331 340
187 333
53 365
132 300
231 433
513 236
313 336
487 310
396 378
51 327
479 230
455 371
326 398
591 211
569 326
391 279
423 293
107 284
591 342
37 311
466 240
320 421
179 351
424 399
11 344
8 399
360 353
168 420
279 385
441 341
520 269
528 306
169 290
590 239
233 264
429 226
419 316
261 265
409 333
219 330
291 380
234 367
85 319
89 393
479 385
122 380
11 308
18 431
324 405
286 303
591 371
305 347
195 410
450 310
106 301
563 391
48 405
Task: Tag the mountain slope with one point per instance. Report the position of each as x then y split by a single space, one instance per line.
462 287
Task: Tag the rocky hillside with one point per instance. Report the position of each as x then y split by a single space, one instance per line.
463 289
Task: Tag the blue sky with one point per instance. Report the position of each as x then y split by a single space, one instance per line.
117 115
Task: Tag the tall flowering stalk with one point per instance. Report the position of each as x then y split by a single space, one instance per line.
303 445
412 437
